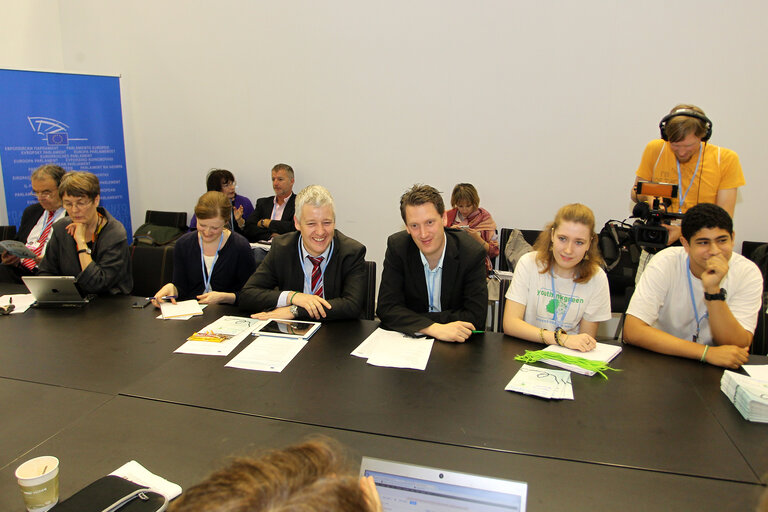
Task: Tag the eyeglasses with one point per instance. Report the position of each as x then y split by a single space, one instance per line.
79 205
45 194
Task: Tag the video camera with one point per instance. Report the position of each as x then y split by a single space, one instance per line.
621 241
648 231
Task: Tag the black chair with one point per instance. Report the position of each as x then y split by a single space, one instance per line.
173 219
747 248
760 339
152 268
7 232
369 306
503 287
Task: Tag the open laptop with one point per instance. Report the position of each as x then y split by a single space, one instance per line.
420 489
55 291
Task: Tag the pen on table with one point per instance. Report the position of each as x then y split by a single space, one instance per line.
164 297
478 332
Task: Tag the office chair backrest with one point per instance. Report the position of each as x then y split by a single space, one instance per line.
152 268
7 232
369 306
173 219
503 287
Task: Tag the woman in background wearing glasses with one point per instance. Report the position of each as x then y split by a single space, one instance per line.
210 264
221 180
89 244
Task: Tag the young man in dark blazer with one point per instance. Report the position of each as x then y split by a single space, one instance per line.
434 277
273 215
314 273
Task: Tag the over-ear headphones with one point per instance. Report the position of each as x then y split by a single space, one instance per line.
687 112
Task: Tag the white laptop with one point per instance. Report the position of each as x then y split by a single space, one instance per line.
405 487
55 291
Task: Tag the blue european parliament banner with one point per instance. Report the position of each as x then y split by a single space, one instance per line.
74 121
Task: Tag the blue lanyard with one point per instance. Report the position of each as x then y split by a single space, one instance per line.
693 301
554 297
680 179
206 275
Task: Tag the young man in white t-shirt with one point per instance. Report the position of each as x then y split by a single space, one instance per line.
700 300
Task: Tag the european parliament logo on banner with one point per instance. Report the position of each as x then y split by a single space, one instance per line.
74 121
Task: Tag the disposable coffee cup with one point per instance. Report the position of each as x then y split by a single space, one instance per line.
39 482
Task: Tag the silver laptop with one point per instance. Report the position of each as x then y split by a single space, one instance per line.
55 291
419 489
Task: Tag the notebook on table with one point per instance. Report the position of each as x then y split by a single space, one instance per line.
413 488
55 291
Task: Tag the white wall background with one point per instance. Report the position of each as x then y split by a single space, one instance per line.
536 103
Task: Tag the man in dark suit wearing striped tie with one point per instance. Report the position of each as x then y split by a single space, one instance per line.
36 223
315 273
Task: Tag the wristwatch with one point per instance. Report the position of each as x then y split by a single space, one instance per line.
715 296
294 309
86 251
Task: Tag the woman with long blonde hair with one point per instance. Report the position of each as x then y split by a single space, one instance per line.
559 293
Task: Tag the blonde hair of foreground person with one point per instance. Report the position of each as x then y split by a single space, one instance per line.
308 477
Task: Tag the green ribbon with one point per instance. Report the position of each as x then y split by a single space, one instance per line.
533 356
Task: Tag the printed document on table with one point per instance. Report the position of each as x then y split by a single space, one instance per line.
395 350
543 382
22 301
757 371
268 353
234 328
185 308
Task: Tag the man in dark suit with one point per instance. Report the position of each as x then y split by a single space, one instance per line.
316 273
434 277
36 223
273 215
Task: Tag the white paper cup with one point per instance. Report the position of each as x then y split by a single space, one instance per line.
39 482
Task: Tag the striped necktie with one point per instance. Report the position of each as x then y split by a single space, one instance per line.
317 275
38 246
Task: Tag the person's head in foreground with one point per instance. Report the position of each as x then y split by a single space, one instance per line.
315 218
422 210
568 245
312 476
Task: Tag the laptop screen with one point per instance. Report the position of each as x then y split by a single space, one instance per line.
419 489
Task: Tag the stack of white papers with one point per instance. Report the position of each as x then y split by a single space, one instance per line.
395 350
542 382
748 394
602 352
758 371
221 337
183 310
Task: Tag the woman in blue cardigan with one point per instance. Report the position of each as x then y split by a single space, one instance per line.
212 263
